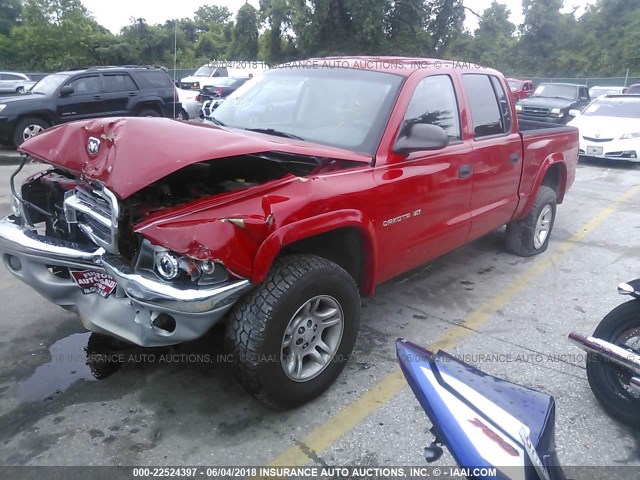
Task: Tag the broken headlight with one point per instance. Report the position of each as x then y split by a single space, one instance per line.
172 267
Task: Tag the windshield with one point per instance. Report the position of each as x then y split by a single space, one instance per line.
550 90
625 108
598 91
49 84
204 71
345 108
515 84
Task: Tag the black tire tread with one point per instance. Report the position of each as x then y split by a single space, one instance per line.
248 320
620 319
146 111
520 233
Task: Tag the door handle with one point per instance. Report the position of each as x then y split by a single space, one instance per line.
465 171
514 158
132 94
97 97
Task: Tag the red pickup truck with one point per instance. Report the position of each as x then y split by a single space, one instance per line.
321 180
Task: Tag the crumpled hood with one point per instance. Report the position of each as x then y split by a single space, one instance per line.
135 152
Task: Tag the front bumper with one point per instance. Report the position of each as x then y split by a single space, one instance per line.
623 150
554 120
132 311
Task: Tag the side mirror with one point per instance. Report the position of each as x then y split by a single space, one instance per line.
66 91
421 137
574 112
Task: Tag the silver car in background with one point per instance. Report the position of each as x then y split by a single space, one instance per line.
12 82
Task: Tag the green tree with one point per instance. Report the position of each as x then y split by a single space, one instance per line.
494 37
244 42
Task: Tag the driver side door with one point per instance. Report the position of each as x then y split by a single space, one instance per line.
424 199
86 101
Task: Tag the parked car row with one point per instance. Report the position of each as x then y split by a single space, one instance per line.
607 117
84 94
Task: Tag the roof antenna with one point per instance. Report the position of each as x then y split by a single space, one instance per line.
175 60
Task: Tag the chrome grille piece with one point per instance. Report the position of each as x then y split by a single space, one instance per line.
95 211
537 111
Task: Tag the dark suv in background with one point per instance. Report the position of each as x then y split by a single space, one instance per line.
83 94
553 102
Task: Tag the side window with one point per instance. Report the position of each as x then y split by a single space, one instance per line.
584 93
503 101
485 112
434 102
118 83
85 85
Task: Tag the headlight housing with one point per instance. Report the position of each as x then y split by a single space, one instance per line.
518 108
629 135
169 266
556 111
166 265
2 106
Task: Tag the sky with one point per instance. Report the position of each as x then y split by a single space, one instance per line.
115 14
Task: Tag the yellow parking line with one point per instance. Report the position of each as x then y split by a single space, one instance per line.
323 436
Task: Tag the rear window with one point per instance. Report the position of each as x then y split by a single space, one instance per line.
118 83
153 78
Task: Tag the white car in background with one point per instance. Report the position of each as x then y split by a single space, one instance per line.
610 128
210 73
190 104
598 91
13 82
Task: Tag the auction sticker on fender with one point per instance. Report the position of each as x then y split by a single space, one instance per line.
91 281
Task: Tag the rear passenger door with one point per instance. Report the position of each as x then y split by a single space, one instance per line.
118 90
86 100
497 153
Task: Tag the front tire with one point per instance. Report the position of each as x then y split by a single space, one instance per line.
530 236
291 337
609 383
28 128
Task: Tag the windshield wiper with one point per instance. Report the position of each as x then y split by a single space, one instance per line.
277 133
216 121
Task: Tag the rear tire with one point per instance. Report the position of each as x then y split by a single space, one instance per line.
20 90
308 309
530 236
148 112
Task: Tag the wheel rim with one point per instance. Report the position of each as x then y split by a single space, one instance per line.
629 340
312 338
20 90
31 131
543 226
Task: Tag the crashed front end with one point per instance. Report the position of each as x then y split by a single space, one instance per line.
154 298
153 241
